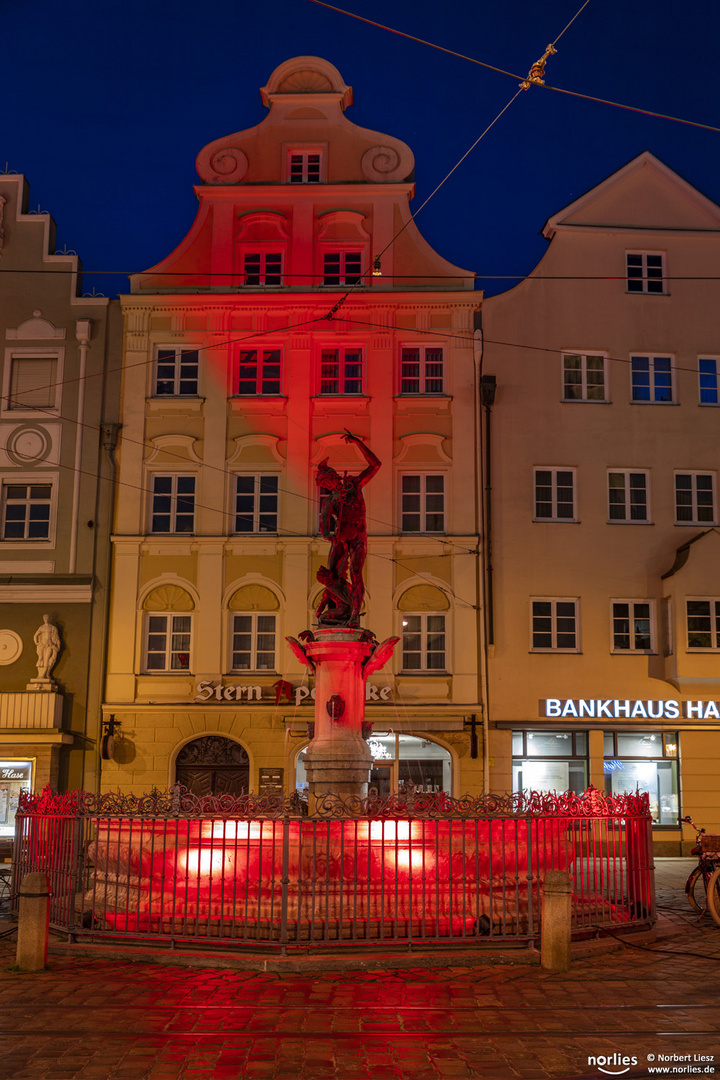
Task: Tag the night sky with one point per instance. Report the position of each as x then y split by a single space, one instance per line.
105 109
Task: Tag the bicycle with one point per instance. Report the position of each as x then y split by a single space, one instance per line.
703 885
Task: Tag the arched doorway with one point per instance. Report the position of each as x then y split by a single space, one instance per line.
213 765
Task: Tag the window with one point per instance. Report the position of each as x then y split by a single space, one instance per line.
421 370
262 268
258 372
422 498
583 377
26 511
256 503
652 378
341 371
554 625
423 642
644 761
703 624
304 166
176 372
168 643
694 498
342 268
645 271
550 761
628 496
33 382
554 494
708 373
632 626
173 503
253 642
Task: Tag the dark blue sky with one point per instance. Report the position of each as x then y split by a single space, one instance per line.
105 109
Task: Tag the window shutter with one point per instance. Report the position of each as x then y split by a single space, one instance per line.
32 382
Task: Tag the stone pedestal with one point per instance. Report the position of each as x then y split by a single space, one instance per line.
338 760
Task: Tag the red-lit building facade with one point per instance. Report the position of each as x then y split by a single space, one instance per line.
303 302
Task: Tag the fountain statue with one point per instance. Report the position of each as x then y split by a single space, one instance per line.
339 653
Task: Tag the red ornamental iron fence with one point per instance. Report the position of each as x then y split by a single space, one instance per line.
258 872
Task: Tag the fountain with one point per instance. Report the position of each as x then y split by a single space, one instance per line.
339 653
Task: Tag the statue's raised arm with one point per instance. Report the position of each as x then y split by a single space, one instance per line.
343 523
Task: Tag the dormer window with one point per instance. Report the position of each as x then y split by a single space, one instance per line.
263 268
304 166
342 268
261 246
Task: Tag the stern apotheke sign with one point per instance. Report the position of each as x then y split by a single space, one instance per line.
628 709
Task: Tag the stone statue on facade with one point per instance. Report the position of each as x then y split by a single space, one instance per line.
343 523
47 643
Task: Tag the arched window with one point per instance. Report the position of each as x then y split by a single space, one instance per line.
424 629
167 630
213 765
252 635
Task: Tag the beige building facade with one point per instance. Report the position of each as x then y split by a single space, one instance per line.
58 414
604 646
302 303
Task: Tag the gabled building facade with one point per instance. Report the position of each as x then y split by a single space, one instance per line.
57 411
604 651
303 303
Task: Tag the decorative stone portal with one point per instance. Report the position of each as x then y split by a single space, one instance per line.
213 765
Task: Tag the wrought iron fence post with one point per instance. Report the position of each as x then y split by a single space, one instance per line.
285 882
531 920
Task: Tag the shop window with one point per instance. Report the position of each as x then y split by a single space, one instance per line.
628 496
176 372
652 379
422 369
172 504
258 372
26 511
694 498
398 761
554 494
644 761
213 765
645 272
583 377
16 775
547 761
256 503
253 642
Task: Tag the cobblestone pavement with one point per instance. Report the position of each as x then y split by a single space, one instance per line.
90 1019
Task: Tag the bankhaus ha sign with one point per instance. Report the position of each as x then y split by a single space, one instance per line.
627 709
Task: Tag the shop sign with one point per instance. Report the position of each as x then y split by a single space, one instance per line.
625 709
205 691
14 772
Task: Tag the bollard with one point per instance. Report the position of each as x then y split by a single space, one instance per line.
555 925
33 923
